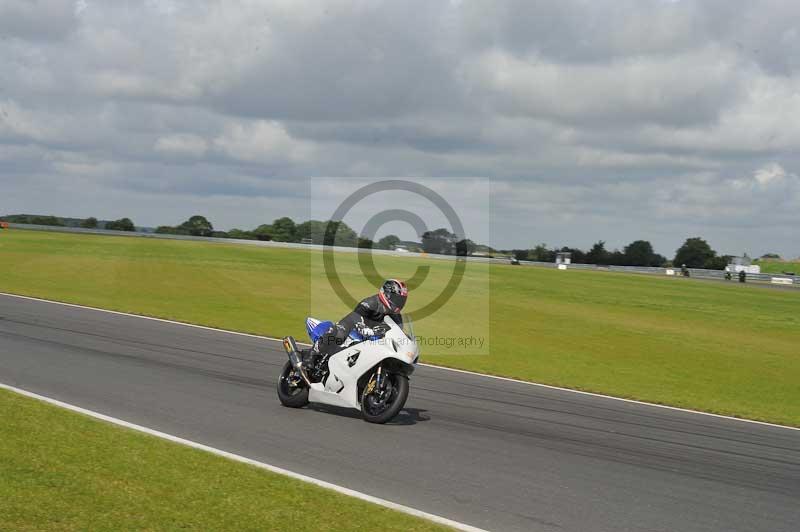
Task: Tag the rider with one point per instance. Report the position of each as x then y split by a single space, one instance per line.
389 301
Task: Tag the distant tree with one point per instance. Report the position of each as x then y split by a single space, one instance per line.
598 254
242 235
166 230
465 247
694 253
718 263
770 256
388 242
541 253
338 233
312 230
263 232
284 230
615 258
89 223
659 260
365 243
345 236
640 253
123 224
520 254
197 226
45 220
439 241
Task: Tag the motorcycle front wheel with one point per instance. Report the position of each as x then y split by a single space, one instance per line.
292 391
380 409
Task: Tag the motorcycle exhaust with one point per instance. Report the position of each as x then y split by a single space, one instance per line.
295 358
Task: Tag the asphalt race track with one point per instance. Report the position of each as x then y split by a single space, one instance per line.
491 453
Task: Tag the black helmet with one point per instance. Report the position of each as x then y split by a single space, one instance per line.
393 295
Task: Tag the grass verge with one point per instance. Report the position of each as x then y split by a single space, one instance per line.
718 347
64 471
776 266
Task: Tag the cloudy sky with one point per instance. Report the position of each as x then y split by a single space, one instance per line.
593 119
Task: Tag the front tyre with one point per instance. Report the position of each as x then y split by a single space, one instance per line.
380 408
292 391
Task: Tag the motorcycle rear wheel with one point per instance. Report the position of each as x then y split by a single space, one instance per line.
374 411
291 396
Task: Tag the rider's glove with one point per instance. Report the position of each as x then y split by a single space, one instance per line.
364 331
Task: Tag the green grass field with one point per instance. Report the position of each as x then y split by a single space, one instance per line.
717 347
777 266
65 471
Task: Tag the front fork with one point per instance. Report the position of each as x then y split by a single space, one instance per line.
377 383
380 380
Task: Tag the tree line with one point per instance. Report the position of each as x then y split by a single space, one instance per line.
123 224
637 253
438 241
285 230
694 253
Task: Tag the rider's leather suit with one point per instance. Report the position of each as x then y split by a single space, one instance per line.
368 313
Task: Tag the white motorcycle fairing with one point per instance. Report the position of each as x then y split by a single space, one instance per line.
395 349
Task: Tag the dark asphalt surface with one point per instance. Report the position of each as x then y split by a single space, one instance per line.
490 453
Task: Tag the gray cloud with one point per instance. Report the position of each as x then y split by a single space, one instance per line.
610 119
37 20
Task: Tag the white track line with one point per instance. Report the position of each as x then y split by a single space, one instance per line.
467 372
274 469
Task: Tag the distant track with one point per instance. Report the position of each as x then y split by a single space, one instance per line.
495 454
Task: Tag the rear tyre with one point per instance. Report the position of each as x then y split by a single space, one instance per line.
375 409
292 391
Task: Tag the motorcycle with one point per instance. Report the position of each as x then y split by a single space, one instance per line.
369 374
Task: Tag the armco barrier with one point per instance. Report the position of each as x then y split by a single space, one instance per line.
699 273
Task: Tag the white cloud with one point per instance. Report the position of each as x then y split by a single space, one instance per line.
182 144
770 174
262 141
80 7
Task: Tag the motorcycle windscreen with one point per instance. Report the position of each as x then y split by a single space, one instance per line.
408 327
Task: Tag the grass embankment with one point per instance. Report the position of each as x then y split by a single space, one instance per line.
65 471
777 266
716 347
